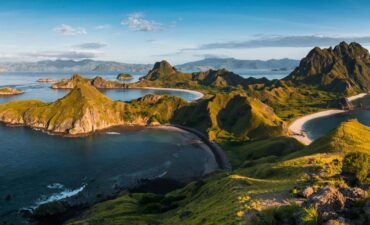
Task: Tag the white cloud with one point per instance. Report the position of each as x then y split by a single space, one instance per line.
68 30
91 45
136 22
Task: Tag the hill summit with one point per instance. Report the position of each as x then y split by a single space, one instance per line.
344 68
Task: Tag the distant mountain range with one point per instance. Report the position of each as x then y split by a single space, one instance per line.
237 64
111 66
72 66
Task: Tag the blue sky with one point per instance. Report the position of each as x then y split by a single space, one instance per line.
146 31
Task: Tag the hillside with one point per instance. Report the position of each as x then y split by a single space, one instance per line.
291 187
238 64
344 69
231 116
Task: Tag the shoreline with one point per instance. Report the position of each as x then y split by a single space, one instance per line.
219 154
296 127
198 94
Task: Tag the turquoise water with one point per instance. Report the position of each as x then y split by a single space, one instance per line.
320 126
42 91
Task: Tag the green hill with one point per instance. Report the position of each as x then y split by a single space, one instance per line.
231 116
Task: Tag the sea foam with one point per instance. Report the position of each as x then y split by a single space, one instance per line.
59 196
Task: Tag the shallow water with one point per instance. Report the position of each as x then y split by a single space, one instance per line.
320 126
36 168
42 91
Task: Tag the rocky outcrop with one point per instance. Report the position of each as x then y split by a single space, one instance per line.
10 91
333 204
97 82
344 68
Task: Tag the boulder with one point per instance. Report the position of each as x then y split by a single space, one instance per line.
307 192
329 199
353 194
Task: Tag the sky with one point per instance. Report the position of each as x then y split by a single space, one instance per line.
136 31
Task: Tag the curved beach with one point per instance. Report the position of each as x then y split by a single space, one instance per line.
219 154
198 94
296 127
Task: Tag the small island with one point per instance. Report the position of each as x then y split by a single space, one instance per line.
124 76
47 80
10 91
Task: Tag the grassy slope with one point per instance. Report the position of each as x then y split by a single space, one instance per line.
231 117
225 198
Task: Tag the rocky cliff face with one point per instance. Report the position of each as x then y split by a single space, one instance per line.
344 68
97 82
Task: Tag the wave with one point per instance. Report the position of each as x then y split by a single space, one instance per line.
55 186
59 196
112 133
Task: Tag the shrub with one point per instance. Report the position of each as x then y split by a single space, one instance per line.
357 166
309 217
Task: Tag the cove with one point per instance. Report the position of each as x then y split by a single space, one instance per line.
318 127
36 168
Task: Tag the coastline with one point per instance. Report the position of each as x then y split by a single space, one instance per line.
198 94
296 127
216 150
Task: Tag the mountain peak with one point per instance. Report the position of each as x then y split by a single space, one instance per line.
344 69
164 71
164 66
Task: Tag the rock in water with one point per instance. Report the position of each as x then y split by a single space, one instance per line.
10 91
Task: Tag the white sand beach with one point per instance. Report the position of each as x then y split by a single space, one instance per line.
296 127
198 94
